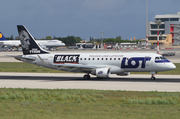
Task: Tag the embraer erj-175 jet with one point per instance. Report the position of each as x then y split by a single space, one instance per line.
43 43
99 64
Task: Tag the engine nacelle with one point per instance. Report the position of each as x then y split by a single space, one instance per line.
101 72
123 74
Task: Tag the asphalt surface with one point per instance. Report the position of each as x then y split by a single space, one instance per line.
134 82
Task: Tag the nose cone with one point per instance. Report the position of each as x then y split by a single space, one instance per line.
62 44
172 66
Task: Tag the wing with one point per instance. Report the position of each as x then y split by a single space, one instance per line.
76 67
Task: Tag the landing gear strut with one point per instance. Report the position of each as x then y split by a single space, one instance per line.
86 77
152 76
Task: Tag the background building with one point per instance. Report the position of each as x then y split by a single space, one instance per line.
169 30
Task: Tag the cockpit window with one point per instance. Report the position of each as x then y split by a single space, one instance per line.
157 58
160 58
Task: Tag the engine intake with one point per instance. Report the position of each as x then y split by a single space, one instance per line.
101 72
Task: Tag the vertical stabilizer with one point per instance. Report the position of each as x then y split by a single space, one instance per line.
2 38
28 43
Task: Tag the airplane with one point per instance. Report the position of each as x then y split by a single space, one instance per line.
43 43
98 64
5 42
116 46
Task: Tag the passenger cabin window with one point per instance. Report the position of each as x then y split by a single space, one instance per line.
84 58
80 58
102 59
106 58
89 59
97 58
93 58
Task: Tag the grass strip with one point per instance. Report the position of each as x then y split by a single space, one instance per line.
80 104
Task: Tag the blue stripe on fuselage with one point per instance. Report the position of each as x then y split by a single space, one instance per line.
162 61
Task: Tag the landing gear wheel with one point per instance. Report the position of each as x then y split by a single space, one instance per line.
153 78
86 77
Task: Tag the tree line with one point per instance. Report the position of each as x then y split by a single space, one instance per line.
118 39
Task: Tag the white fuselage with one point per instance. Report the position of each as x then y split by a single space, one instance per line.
47 43
117 62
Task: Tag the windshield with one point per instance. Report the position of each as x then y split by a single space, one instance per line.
160 58
163 58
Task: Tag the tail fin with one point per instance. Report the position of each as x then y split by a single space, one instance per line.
28 43
2 37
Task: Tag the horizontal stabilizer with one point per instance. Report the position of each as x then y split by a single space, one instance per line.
21 57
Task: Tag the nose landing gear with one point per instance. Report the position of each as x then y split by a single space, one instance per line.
153 78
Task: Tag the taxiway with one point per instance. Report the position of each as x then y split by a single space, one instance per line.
133 82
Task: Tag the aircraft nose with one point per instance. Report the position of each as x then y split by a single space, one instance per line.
172 66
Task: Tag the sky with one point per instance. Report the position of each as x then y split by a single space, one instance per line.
82 18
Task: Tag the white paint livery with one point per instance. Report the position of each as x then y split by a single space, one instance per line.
42 43
99 64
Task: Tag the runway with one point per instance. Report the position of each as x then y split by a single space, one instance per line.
133 82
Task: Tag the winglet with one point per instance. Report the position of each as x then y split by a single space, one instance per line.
28 43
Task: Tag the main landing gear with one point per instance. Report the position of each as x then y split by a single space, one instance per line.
152 76
86 77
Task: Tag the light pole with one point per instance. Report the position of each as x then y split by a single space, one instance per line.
158 22
146 24
102 40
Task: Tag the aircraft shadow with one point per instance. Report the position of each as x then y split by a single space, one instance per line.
118 79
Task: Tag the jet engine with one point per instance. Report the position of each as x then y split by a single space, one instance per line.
123 73
101 72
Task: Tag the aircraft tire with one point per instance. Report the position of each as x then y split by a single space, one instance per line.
153 78
86 77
